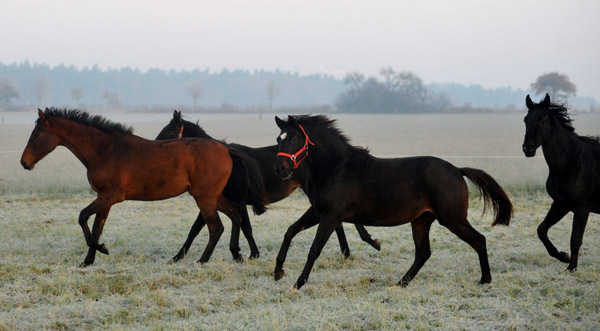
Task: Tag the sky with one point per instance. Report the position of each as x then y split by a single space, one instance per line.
494 44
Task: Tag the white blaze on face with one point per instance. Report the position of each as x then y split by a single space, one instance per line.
283 136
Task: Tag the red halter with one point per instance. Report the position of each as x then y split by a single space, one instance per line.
294 157
180 132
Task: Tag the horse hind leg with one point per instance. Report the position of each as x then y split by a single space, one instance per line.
366 237
420 231
215 228
466 232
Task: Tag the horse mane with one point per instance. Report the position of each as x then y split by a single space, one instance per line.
559 113
326 130
95 121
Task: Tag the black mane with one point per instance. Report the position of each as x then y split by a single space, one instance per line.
326 130
95 121
559 113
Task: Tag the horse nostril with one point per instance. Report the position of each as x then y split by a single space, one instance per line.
24 164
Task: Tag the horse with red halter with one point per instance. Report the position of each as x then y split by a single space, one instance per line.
348 184
276 188
574 178
122 166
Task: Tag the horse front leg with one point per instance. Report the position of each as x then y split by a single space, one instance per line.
579 222
555 214
324 231
99 221
306 221
194 231
344 247
102 206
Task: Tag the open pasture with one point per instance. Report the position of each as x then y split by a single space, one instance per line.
41 245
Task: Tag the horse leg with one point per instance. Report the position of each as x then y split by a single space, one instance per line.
235 215
247 230
420 231
95 207
366 237
306 221
324 231
466 232
99 221
579 222
555 214
196 227
339 231
215 230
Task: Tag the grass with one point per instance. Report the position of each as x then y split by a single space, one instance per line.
41 245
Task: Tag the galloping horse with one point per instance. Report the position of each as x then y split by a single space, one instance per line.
276 188
122 166
350 185
574 179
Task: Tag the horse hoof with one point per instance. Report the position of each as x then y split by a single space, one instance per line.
253 256
85 264
103 249
377 245
279 274
239 259
485 281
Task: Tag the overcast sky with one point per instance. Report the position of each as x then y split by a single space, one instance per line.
509 43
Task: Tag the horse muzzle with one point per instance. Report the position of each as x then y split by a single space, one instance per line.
25 165
529 150
283 170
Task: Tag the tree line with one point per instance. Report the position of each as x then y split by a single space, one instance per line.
24 86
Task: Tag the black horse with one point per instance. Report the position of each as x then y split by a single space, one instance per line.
276 189
347 184
574 179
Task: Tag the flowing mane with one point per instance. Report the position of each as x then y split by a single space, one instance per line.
95 121
326 130
559 113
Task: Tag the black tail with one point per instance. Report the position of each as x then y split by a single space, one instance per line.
491 192
253 178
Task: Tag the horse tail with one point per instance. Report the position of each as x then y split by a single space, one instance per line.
253 178
492 193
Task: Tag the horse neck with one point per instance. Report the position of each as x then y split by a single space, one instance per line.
192 130
325 157
83 141
561 148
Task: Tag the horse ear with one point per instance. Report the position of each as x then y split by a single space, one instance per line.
41 115
177 115
546 101
528 102
292 121
280 123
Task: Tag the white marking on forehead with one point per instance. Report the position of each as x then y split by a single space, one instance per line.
283 136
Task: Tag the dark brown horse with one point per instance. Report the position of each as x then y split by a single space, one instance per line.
122 166
347 184
276 188
574 178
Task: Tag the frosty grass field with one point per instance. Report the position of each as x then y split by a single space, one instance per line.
41 245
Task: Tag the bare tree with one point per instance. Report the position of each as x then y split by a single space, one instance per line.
272 93
112 99
7 92
41 89
557 85
355 80
77 94
195 90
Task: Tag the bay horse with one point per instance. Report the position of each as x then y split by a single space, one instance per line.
122 166
574 178
276 188
348 184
